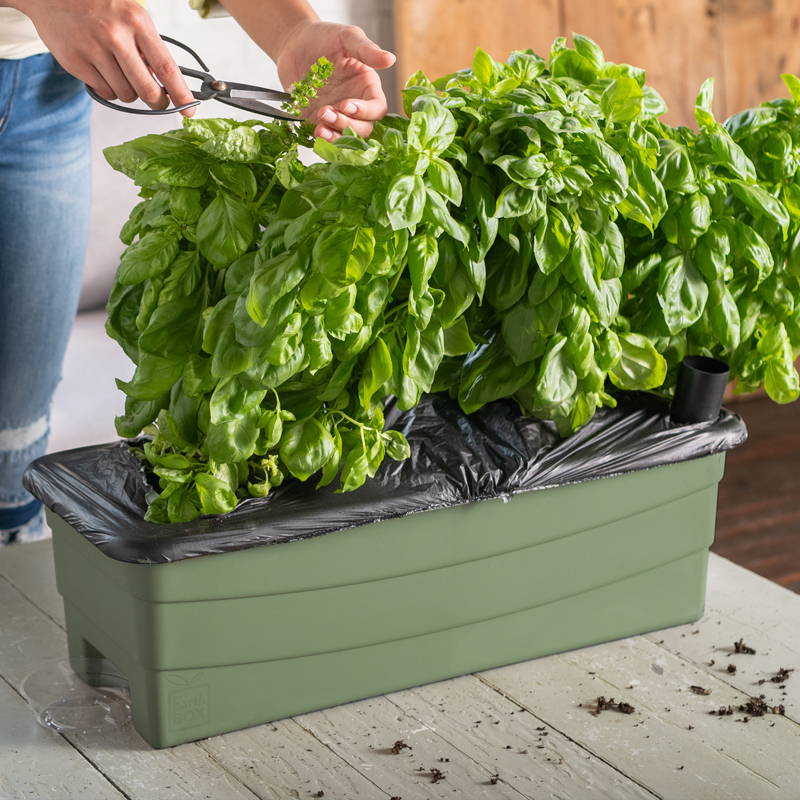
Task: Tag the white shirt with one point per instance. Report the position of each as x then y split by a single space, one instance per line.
18 37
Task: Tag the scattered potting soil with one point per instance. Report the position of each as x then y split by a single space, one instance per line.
758 707
601 704
436 775
754 707
782 675
722 711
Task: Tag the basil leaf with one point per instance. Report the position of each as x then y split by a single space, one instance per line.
640 366
405 201
225 230
306 446
147 257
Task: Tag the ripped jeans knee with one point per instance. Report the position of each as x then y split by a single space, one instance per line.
21 515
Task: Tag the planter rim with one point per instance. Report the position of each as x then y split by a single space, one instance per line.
456 459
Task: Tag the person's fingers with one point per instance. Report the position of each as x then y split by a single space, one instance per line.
368 109
357 44
108 67
91 77
141 79
332 119
164 68
326 133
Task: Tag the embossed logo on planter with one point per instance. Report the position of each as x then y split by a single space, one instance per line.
188 702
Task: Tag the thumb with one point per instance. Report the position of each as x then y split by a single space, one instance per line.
357 45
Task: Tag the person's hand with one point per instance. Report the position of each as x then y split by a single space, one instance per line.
353 96
110 45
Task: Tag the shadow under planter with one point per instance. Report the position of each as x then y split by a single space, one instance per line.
494 543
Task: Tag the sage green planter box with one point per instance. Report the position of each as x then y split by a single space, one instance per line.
220 642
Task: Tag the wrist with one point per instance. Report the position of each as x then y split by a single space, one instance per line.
271 34
293 33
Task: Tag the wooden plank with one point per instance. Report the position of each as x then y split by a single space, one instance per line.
281 760
742 595
741 605
29 567
363 734
28 639
677 43
671 744
759 40
440 36
36 763
532 757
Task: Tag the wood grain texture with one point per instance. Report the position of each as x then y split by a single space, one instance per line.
363 733
744 44
760 39
758 516
36 763
281 760
671 744
768 626
30 570
440 36
529 755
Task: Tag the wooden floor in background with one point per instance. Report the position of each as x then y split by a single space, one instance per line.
758 522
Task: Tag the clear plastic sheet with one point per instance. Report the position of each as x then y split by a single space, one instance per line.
64 703
455 459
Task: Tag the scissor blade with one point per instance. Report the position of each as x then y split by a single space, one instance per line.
261 94
257 107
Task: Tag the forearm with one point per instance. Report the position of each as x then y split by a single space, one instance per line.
268 22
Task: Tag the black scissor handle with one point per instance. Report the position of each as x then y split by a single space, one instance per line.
117 107
187 49
185 70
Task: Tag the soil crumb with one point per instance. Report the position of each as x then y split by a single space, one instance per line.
602 704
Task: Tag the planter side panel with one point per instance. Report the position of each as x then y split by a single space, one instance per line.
510 581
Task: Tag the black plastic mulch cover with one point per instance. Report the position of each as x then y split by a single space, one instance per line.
455 459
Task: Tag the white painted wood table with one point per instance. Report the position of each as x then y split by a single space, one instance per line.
524 724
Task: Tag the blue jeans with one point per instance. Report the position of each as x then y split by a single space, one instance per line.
44 218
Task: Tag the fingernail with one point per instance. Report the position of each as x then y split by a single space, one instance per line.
325 133
350 108
328 116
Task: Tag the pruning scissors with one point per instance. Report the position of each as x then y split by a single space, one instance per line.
239 95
